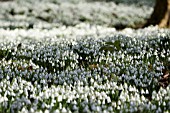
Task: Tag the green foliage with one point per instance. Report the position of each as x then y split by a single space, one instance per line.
111 47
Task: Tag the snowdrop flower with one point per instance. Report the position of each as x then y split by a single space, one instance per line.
147 92
143 98
132 88
159 110
108 100
93 107
86 109
57 111
64 110
75 108
142 91
32 110
46 111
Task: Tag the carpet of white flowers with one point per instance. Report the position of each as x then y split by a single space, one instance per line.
41 13
83 68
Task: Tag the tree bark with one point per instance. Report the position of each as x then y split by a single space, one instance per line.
160 15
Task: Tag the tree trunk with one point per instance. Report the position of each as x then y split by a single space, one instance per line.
160 15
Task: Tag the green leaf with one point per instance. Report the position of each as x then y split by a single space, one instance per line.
7 54
117 44
2 54
106 49
110 46
109 43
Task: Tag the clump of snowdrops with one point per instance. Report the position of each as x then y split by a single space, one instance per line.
84 69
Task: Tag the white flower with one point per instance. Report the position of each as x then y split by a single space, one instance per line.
92 80
93 107
147 92
47 111
110 109
159 110
119 102
131 88
64 110
32 110
57 111
86 109
142 91
75 107
43 105
153 107
143 98
24 110
118 107
125 86
60 98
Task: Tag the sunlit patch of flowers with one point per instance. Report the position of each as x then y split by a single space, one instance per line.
84 69
29 14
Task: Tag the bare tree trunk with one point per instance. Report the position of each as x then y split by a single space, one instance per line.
161 14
